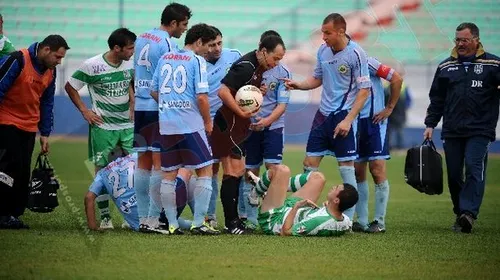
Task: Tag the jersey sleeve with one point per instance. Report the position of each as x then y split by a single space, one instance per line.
380 70
200 75
283 92
81 77
97 186
318 71
239 74
359 66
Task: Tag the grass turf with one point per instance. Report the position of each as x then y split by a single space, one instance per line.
419 243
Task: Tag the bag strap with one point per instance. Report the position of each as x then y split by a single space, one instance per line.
39 162
430 143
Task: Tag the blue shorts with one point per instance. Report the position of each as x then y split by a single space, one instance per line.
372 140
264 146
146 131
190 150
321 142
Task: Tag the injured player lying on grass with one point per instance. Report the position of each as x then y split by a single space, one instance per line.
117 179
298 214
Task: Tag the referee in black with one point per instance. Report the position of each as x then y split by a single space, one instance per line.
465 94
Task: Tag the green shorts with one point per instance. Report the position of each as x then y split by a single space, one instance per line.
102 142
272 221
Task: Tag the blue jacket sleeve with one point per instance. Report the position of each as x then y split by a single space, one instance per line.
47 109
10 68
437 96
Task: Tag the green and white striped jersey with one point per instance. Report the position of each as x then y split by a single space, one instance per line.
6 46
108 88
319 222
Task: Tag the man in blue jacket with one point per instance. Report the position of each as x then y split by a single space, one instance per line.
465 93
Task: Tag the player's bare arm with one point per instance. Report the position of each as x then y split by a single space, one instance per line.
154 95
90 210
344 126
395 84
228 99
204 106
131 94
88 115
267 121
286 230
309 83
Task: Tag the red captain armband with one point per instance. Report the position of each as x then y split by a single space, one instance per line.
383 71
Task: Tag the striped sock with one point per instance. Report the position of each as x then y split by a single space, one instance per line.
263 183
298 181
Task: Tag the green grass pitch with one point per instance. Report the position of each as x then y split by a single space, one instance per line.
418 244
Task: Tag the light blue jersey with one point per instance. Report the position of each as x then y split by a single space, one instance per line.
276 93
376 100
149 47
179 78
117 179
343 74
215 73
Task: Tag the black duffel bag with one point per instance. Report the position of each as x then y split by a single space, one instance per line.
424 168
42 196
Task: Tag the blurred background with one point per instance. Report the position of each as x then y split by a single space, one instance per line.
412 36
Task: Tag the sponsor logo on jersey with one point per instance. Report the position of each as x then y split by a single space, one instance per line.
343 69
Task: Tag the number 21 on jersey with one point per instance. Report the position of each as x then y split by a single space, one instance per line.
122 179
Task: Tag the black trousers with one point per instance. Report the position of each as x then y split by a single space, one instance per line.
16 149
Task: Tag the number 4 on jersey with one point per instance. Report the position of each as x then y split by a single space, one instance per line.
144 58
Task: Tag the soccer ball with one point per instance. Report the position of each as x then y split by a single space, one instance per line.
249 98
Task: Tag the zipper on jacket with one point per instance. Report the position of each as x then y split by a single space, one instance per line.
420 159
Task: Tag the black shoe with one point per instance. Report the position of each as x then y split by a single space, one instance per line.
14 223
466 221
375 227
204 229
357 227
236 227
147 229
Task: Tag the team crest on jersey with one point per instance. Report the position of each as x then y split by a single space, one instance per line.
272 86
126 74
343 69
478 69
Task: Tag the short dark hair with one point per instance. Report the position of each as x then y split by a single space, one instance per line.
269 33
337 19
54 42
121 37
348 197
175 11
200 30
474 30
271 42
217 31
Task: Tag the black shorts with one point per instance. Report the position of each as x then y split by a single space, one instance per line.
229 134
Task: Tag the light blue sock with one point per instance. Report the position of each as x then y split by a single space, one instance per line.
154 193
381 198
202 194
213 198
251 211
141 186
349 177
184 224
167 191
362 205
242 194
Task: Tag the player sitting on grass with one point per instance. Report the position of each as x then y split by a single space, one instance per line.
298 214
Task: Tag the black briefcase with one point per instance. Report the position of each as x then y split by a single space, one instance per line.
42 196
424 168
